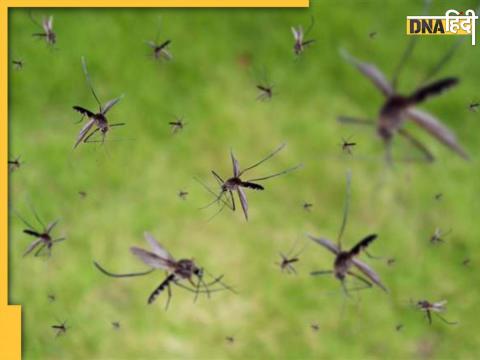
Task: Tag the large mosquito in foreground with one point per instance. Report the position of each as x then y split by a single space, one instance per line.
300 44
98 119
178 270
346 259
47 26
397 108
434 308
235 183
43 238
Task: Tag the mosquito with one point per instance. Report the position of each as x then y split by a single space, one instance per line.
99 119
287 261
397 108
399 327
473 107
438 196
177 125
235 183
315 327
60 329
307 206
183 194
372 35
391 261
438 236
264 87
43 238
300 44
347 146
51 297
434 308
116 325
177 271
466 262
14 164
18 64
346 259
230 339
47 26
83 194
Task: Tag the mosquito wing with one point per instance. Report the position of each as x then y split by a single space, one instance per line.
236 166
363 244
156 247
110 104
368 272
371 72
297 33
243 201
437 130
83 132
327 244
151 259
439 306
47 25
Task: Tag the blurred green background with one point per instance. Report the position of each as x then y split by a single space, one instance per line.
132 184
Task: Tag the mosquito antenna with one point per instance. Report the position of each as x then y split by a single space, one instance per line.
263 160
445 320
277 174
30 15
210 191
219 280
97 265
443 60
25 222
310 27
89 82
345 210
32 208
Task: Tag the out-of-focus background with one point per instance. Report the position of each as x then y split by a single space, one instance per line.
132 181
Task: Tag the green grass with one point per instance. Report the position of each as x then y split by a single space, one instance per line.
132 185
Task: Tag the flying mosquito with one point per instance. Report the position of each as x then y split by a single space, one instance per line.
466 262
346 259
177 271
473 107
116 325
14 164
399 327
307 206
18 64
372 34
315 327
391 261
82 194
98 120
230 339
434 308
438 196
287 261
438 235
264 87
160 50
47 26
300 44
183 194
177 125
397 108
347 146
51 297
60 329
44 239
235 183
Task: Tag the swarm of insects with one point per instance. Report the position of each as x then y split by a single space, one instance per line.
433 308
47 26
97 120
300 43
345 260
43 238
178 271
235 183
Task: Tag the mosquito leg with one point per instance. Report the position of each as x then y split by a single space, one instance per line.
90 135
356 121
39 250
367 283
417 144
233 200
97 265
286 171
117 124
276 151
321 272
445 320
59 240
429 317
169 296
197 288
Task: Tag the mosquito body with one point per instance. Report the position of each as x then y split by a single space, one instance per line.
434 308
346 260
265 92
177 125
14 164
43 238
300 44
47 26
18 64
237 184
397 109
60 329
160 51
307 206
183 194
473 107
97 121
177 271
438 235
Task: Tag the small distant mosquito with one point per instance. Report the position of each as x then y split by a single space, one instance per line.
160 50
438 236
14 164
51 297
372 35
347 146
300 44
264 87
391 261
287 261
184 269
466 262
82 194
60 329
116 325
397 108
94 119
307 206
43 237
177 125
345 260
433 308
315 327
473 107
399 327
230 339
183 194
18 64
438 196
235 183
47 26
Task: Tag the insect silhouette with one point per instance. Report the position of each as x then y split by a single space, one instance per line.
18 64
307 206
347 146
300 43
315 327
372 35
177 271
160 50
399 327
183 194
43 238
116 325
51 297
60 329
230 339
438 196
391 261
288 260
14 164
97 120
466 262
438 236
434 308
83 194
345 260
397 109
177 125
473 107
264 87
47 26
235 183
